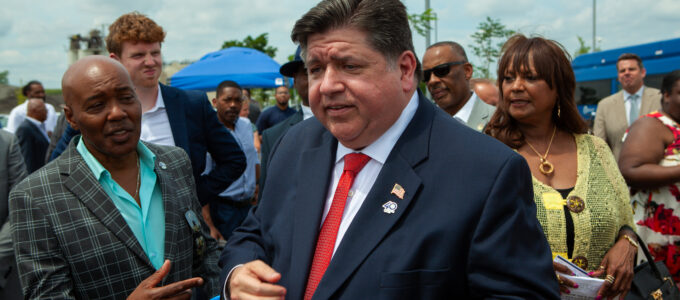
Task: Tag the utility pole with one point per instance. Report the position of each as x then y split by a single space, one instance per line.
427 36
594 33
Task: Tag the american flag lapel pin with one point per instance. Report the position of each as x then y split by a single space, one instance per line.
398 191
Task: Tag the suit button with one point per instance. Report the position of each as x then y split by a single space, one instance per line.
575 204
580 261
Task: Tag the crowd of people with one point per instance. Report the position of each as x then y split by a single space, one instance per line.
367 190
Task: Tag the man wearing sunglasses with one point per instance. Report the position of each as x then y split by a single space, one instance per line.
447 73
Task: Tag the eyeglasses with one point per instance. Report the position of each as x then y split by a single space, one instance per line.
441 70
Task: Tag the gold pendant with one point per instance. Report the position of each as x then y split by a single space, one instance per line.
545 164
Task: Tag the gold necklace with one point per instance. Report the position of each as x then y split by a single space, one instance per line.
139 170
544 161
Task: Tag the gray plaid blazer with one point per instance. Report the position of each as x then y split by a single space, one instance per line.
71 241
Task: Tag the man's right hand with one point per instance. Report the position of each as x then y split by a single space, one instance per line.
179 290
255 280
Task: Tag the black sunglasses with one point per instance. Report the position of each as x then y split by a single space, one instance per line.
441 70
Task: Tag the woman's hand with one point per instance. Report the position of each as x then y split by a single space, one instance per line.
564 282
618 262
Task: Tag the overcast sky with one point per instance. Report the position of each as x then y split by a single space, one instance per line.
34 34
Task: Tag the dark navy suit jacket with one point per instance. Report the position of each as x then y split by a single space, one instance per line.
196 129
466 227
269 138
33 144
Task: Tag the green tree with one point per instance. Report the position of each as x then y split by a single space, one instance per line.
421 22
488 41
3 77
258 43
582 48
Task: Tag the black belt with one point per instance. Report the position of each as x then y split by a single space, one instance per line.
234 203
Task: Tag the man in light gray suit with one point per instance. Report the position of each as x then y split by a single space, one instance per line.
618 111
12 170
108 217
447 73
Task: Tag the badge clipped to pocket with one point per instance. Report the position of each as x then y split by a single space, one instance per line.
195 225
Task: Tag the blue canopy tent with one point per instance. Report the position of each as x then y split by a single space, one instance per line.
248 67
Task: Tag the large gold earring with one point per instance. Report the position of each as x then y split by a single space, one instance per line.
558 110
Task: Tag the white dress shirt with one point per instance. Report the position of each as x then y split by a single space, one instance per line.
363 182
156 125
626 100
464 113
306 112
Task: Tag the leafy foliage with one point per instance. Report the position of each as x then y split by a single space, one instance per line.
4 77
582 48
421 22
258 43
488 41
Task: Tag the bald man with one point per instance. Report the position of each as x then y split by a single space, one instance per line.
32 135
486 90
109 216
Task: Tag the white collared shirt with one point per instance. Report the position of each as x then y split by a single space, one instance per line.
363 182
626 100
306 112
464 113
156 125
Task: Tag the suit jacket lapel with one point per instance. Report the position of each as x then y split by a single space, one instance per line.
82 183
372 224
314 179
176 116
174 214
477 116
647 101
297 118
619 110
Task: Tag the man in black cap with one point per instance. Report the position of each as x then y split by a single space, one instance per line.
294 69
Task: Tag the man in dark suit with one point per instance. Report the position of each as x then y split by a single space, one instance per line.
296 70
437 211
108 217
172 116
32 135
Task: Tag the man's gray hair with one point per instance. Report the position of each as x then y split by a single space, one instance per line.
384 21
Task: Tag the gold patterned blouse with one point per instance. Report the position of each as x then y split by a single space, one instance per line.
600 205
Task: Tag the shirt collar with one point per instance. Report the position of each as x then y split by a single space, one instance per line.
381 148
34 121
159 101
465 112
626 95
146 157
306 112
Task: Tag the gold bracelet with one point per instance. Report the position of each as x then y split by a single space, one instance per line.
631 241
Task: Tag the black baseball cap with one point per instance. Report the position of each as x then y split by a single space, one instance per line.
288 69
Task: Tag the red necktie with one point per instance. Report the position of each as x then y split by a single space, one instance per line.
354 162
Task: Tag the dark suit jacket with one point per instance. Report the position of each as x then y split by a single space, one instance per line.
465 228
72 242
33 145
269 138
196 129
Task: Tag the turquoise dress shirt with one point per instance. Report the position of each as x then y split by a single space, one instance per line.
146 222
